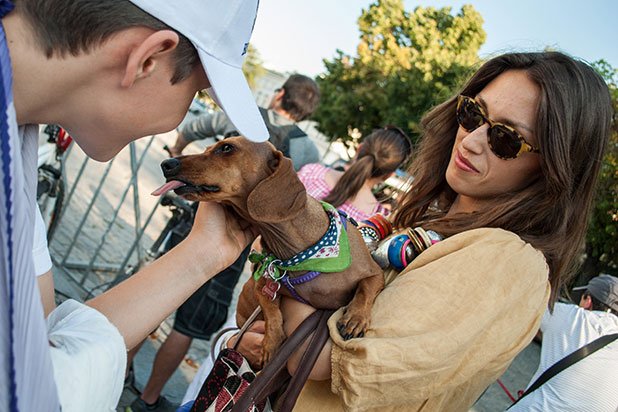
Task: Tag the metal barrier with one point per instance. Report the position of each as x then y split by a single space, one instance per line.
102 231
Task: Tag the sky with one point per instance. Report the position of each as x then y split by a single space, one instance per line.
295 35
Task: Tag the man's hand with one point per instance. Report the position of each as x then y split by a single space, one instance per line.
251 343
218 232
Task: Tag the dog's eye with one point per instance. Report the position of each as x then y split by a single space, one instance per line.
225 148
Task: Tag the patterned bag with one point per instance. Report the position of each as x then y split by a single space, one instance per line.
228 380
232 386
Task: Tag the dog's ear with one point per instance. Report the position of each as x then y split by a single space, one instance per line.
279 197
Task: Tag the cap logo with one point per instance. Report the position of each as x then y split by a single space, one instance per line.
246 46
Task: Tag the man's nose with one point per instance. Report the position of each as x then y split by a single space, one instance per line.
170 167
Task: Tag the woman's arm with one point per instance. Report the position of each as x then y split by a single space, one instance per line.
139 304
294 313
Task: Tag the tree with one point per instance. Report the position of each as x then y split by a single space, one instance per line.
253 67
406 62
602 237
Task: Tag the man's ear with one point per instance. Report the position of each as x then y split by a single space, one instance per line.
144 56
280 94
585 302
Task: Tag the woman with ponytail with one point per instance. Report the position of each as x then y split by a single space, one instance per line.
379 155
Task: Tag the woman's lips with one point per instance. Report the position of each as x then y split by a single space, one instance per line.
464 164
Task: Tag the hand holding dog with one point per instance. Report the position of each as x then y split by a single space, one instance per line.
251 343
218 232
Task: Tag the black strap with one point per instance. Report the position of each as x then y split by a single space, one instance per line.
567 361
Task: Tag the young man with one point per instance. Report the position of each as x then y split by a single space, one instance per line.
295 101
108 71
589 384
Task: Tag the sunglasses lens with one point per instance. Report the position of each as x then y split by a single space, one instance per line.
469 115
504 142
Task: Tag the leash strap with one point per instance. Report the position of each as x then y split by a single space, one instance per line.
271 378
567 361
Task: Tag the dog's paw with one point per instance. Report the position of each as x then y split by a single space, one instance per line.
270 348
352 325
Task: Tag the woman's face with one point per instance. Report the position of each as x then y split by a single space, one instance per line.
474 172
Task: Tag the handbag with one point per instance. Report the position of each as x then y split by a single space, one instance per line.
232 386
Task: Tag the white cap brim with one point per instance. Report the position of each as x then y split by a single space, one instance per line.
230 90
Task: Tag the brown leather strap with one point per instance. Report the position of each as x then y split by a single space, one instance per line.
318 340
269 379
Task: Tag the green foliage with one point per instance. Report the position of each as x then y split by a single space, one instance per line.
253 67
602 238
406 62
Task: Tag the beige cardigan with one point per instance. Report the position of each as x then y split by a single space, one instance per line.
441 331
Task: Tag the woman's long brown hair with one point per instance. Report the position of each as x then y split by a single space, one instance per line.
380 154
551 213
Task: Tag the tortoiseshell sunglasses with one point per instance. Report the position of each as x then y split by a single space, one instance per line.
504 141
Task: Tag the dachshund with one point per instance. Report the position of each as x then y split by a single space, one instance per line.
259 185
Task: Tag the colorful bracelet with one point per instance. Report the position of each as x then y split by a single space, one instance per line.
400 250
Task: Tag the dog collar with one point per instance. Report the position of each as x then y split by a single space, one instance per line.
330 254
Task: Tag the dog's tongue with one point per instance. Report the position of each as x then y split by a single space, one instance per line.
171 185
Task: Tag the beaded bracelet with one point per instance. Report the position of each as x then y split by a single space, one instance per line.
375 229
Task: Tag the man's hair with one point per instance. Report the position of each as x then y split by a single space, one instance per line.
573 124
598 305
301 96
72 27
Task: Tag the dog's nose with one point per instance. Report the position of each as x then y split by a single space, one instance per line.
170 167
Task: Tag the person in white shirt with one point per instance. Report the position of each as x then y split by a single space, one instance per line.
591 383
109 72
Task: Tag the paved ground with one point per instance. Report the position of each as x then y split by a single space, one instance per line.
106 228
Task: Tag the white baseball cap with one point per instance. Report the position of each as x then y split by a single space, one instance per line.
220 31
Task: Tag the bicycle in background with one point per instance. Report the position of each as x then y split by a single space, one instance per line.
51 184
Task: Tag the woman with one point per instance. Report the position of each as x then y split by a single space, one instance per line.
380 154
506 172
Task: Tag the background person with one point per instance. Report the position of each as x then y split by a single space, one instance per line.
493 163
295 101
135 58
590 383
379 155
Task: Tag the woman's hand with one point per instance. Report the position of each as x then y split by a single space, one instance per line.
218 231
251 343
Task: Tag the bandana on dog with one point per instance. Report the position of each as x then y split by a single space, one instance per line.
330 254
